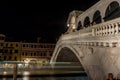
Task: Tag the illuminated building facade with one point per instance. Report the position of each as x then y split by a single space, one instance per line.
9 51
22 51
40 52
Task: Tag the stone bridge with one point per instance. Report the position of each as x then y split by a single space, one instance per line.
96 47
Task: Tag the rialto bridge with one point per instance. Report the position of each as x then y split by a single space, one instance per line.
93 40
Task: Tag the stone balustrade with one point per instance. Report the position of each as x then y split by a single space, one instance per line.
106 34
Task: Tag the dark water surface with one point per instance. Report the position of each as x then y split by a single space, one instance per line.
50 77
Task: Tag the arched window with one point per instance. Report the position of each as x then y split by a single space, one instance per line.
112 11
15 58
97 17
79 25
10 57
5 57
87 22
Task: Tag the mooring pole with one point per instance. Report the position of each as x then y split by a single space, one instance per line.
15 72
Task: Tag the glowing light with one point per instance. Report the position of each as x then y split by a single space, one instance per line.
26 73
73 27
27 61
6 64
68 25
26 78
19 65
4 72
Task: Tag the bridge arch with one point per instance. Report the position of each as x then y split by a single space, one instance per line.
97 17
86 21
64 48
112 11
67 55
79 25
91 12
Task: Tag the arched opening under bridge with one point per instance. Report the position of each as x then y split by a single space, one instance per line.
67 59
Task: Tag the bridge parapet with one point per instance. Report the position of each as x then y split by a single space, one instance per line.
106 34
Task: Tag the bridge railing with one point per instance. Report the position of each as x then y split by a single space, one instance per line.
108 28
103 34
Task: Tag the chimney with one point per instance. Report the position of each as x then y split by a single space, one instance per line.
38 39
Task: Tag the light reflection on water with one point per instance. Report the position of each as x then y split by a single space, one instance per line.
25 71
49 78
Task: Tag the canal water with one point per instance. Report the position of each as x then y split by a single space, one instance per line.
47 78
66 71
69 76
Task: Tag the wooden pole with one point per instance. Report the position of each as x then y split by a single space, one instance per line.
15 72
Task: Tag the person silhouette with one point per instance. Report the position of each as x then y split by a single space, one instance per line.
110 76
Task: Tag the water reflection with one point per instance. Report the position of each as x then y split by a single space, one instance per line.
49 78
24 71
25 78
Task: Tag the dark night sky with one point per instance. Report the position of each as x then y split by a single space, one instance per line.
29 19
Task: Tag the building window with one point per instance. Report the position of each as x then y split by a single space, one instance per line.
41 46
25 45
5 51
16 45
33 54
6 44
33 46
25 54
2 38
1 50
11 45
10 51
43 54
5 57
16 51
50 54
10 57
15 58
22 53
1 44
